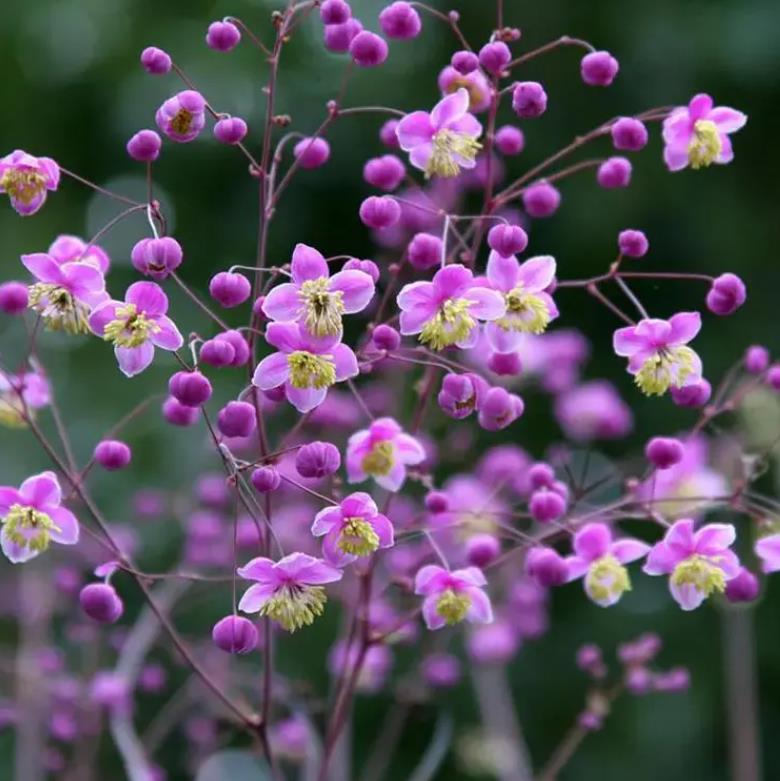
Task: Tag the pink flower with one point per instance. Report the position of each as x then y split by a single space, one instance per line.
528 308
26 180
698 134
354 528
183 116
20 395
593 410
382 451
64 294
315 299
445 311
443 141
290 591
657 353
699 563
600 560
68 249
136 326
768 550
32 517
450 80
305 365
451 597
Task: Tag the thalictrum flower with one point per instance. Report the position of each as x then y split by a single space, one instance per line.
443 141
698 563
698 134
315 299
382 451
768 550
600 559
32 517
20 395
445 311
290 591
451 597
68 249
183 116
65 294
657 352
354 528
26 180
136 326
305 365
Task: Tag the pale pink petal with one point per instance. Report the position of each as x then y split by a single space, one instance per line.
414 129
260 568
576 567
409 449
626 341
16 554
768 550
452 281
592 541
307 263
628 550
501 340
83 278
728 562
700 106
325 520
727 120
43 267
168 337
8 496
450 109
713 538
468 124
502 272
148 297
486 304
661 560
305 399
430 614
356 287
102 316
68 533
51 172
255 597
726 152
480 611
283 303
271 372
684 327
430 579
420 156
41 491
417 295
286 337
537 273
680 537
384 530
359 504
676 157
687 596
471 576
303 568
133 360
394 479
331 551
654 331
346 362
678 128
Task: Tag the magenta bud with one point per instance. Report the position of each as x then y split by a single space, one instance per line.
317 459
237 419
494 57
230 130
101 603
773 377
156 258
744 588
589 658
598 69
695 395
465 62
726 295
368 49
424 251
275 394
13 298
541 200
541 475
190 388
177 414
677 679
112 454
633 243
312 152
335 12
638 680
239 345
498 408
144 146
385 337
510 140
339 36
664 452
222 36
756 359
385 172
482 549
614 173
366 266
436 502
461 394
380 211
505 364
266 479
155 61
217 352
387 134
629 134
441 670
507 240
546 567
229 288
235 635
546 506
400 20
529 100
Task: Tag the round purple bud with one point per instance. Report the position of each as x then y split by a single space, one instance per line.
546 567
614 172
223 36
510 140
387 134
461 394
317 459
743 588
335 12
229 289
155 61
368 49
385 172
156 258
235 635
633 243
112 454
499 408
366 266
177 414
312 152
424 251
380 211
507 240
505 364
217 352
494 57
695 395
400 20
541 200
773 377
144 146
13 298
664 452
541 475
482 549
385 337
465 62
756 359
529 100
436 502
230 130
237 419
266 479
101 603
726 295
339 36
239 345
629 134
546 506
598 69
190 388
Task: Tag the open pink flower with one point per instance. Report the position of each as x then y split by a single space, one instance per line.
183 116
451 597
27 179
475 83
64 295
315 299
657 353
382 451
68 249
600 560
445 311
20 395
698 563
354 528
443 141
136 326
305 365
529 309
290 591
698 134
768 550
32 517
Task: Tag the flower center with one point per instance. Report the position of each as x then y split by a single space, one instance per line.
59 310
699 572
475 93
380 460
358 537
451 324
448 147
311 371
526 312
671 366
182 121
23 184
294 606
705 146
323 308
29 528
131 327
606 580
452 607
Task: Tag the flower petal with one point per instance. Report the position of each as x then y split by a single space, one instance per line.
450 109
271 372
16 554
148 297
537 273
41 491
345 361
592 541
286 337
713 538
452 281
684 327
68 533
325 520
43 267
255 597
486 304
305 399
356 288
727 120
687 596
8 497
133 360
628 550
414 129
283 303
430 579
502 273
260 568
481 610
168 337
307 263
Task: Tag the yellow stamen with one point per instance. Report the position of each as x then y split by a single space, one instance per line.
447 144
358 537
669 367
23 184
380 460
294 606
607 579
131 327
452 607
526 312
21 520
311 371
182 121
323 308
699 571
705 146
451 324
59 310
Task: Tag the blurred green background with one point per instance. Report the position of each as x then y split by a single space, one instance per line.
72 89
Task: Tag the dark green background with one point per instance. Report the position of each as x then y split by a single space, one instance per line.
72 88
